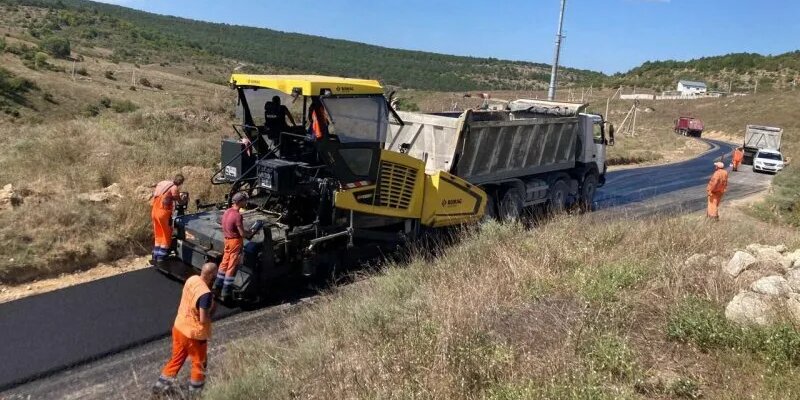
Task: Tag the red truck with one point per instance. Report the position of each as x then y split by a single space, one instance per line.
688 126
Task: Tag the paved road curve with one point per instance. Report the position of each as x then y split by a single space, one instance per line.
59 334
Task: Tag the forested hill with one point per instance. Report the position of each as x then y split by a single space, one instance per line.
739 71
143 38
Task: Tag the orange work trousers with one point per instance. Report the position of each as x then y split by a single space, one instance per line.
196 350
162 229
736 165
713 204
230 257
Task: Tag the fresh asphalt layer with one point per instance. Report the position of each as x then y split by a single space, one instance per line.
53 331
109 336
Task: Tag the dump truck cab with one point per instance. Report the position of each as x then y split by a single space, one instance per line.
316 190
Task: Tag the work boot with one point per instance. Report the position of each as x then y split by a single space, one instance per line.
195 390
163 385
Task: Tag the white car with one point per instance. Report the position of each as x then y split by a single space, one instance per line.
768 161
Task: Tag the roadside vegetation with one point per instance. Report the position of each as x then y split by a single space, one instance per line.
578 308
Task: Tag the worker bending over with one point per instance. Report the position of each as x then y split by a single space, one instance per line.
716 188
165 196
191 332
234 233
736 160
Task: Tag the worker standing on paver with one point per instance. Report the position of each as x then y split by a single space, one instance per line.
738 156
716 188
318 120
191 332
234 234
165 196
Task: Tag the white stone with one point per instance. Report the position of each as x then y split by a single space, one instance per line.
696 260
748 308
103 195
793 279
9 198
793 258
738 263
774 285
793 307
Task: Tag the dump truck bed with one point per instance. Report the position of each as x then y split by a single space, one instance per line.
487 146
763 137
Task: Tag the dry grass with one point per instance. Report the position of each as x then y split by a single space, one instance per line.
577 308
55 152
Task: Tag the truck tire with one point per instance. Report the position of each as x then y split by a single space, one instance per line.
588 189
491 206
558 196
510 207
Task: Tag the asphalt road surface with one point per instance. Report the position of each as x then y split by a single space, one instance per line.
109 338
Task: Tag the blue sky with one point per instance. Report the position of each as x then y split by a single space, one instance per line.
606 35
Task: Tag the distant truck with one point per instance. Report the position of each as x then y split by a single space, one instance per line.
533 152
759 137
688 126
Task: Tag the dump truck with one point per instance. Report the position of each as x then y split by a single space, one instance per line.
534 152
688 126
760 137
314 197
372 179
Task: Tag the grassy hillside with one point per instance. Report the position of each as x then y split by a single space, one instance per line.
580 308
738 71
144 38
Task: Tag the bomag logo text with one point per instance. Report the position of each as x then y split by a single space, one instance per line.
345 88
451 202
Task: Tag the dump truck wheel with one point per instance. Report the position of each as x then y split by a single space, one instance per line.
558 196
510 207
588 188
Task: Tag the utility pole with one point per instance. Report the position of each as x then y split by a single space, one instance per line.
551 92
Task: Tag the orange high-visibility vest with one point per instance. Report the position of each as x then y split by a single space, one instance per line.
188 319
318 122
719 182
162 198
738 155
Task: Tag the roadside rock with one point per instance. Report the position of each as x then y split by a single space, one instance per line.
9 198
793 307
755 248
774 285
748 308
772 257
740 262
696 261
793 258
717 262
793 279
113 191
143 192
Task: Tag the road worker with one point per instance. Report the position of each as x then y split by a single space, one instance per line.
190 332
234 233
716 188
165 196
275 115
738 156
318 119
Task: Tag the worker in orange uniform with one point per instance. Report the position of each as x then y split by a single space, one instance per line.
165 196
234 233
716 188
190 332
318 119
738 156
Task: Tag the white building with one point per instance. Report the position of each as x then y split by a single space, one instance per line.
691 88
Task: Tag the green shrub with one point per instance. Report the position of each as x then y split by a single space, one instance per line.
158 86
610 354
124 106
56 46
105 102
604 282
91 110
2 45
145 82
48 97
110 75
82 71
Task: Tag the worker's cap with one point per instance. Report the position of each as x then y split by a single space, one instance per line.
239 197
719 165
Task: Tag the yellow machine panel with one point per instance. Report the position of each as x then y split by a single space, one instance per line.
450 200
403 190
397 193
309 85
